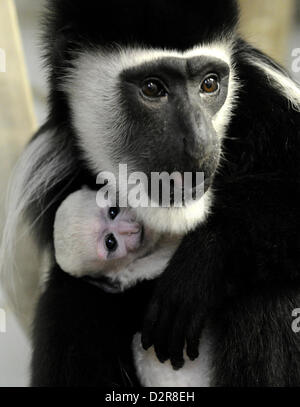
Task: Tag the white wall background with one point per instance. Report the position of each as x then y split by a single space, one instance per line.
14 347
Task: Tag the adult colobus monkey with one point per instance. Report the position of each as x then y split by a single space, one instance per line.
166 85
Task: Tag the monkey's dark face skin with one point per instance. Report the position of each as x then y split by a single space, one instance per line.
170 105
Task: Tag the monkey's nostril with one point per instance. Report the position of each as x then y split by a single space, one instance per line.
129 228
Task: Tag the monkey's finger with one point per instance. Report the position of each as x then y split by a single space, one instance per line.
162 334
193 338
177 341
149 325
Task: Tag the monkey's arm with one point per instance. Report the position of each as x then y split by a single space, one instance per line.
245 243
185 293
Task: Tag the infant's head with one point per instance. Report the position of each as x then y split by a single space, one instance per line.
99 243
119 233
89 239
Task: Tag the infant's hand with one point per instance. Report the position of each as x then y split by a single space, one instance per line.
76 231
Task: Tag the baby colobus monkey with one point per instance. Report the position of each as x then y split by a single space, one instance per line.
113 250
108 245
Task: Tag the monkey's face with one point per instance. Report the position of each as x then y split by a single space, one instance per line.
170 105
156 111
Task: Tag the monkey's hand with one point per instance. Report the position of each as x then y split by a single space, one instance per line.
185 294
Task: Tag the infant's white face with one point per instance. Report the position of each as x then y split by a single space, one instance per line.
106 245
92 239
119 233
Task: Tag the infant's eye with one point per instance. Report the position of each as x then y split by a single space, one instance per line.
111 243
113 213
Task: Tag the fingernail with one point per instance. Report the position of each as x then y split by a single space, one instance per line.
177 365
194 356
161 359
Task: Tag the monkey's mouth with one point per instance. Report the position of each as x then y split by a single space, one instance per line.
195 193
181 190
104 283
142 236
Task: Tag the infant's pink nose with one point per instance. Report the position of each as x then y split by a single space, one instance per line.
128 228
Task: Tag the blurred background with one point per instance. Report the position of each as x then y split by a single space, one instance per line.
271 25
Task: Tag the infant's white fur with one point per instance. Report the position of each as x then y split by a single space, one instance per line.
76 231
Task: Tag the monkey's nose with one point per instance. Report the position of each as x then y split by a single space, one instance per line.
128 228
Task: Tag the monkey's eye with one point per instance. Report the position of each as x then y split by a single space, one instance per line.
111 243
153 88
113 213
210 84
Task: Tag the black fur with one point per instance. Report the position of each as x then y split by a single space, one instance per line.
238 273
83 336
